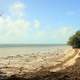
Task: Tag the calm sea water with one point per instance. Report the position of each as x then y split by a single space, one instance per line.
12 50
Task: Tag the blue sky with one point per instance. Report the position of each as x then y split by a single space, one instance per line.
38 21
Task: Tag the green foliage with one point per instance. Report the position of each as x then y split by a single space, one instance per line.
74 40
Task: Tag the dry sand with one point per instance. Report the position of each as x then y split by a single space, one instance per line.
22 63
41 67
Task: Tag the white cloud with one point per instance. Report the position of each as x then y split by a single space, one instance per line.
15 27
13 30
19 26
37 24
17 8
63 33
64 30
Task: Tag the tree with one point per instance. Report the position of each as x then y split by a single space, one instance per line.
74 40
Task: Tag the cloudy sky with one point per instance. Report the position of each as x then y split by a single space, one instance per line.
38 21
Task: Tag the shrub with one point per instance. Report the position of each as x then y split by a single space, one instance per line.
74 40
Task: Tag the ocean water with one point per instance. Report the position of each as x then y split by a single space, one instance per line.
12 50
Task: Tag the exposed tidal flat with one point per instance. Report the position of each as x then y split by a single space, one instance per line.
12 50
30 59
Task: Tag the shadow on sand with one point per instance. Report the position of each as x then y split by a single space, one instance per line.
70 73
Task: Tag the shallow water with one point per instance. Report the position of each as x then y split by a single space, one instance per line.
32 49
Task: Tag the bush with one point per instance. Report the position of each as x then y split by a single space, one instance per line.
74 40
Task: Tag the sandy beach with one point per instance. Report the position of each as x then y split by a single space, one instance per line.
62 64
26 63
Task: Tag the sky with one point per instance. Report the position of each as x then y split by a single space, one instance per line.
38 21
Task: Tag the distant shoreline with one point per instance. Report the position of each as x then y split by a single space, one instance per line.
30 45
